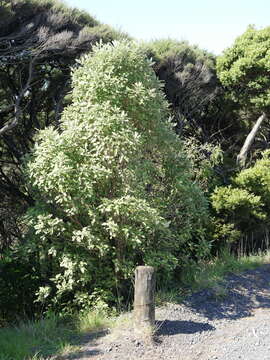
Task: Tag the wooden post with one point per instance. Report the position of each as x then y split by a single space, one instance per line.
144 299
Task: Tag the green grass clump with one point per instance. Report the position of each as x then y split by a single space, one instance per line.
169 295
208 274
33 338
93 321
53 335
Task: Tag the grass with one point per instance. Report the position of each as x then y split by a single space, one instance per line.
33 340
51 336
209 274
88 321
55 336
169 295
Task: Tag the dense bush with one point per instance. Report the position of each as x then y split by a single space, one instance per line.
19 281
190 82
243 69
114 186
206 160
243 208
39 42
109 184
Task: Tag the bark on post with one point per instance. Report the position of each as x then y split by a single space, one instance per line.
144 300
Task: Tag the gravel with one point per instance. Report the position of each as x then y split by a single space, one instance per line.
229 322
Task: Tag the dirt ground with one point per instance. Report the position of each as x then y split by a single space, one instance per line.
228 323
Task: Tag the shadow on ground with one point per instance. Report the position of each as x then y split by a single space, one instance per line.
240 296
88 343
81 355
174 327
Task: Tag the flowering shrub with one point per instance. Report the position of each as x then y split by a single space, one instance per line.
113 186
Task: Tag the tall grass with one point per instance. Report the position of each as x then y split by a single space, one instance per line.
93 320
51 336
42 337
207 274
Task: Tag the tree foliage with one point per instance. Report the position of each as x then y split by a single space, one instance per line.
108 184
243 207
244 69
190 82
114 184
39 42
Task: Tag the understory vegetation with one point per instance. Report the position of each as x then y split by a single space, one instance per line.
117 153
52 335
56 335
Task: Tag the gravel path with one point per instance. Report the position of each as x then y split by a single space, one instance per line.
228 323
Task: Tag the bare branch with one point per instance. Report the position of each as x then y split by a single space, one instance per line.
242 156
16 105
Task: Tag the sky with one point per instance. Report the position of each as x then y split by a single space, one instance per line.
211 24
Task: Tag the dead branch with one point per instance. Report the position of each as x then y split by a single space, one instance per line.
242 156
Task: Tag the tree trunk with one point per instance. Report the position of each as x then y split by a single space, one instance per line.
242 156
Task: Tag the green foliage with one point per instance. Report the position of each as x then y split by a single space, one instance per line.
243 208
256 179
26 6
244 68
228 200
205 159
166 48
19 277
210 274
113 187
190 82
54 35
106 33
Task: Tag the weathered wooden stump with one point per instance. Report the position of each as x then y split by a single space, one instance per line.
144 299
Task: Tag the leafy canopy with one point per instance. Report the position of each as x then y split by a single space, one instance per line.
244 205
114 188
244 69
